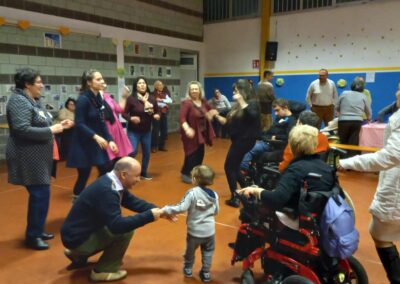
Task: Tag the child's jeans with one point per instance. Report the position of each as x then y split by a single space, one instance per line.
207 246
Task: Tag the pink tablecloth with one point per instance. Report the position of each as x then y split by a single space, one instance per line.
371 135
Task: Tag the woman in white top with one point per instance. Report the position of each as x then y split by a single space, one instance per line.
385 208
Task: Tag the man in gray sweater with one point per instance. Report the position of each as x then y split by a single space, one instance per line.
201 204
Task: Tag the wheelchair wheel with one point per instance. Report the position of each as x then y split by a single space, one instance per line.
358 273
297 279
247 277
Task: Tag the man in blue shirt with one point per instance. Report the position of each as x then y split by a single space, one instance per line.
95 222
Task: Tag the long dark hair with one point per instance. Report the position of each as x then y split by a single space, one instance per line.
248 93
87 76
134 86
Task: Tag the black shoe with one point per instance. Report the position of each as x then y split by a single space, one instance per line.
77 261
233 202
47 236
146 177
162 149
36 243
154 150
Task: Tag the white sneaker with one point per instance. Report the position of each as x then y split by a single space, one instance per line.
107 276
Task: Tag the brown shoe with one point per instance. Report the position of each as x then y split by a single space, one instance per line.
107 276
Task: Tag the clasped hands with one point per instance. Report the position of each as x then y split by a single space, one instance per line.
159 213
250 191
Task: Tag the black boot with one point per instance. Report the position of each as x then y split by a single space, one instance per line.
391 262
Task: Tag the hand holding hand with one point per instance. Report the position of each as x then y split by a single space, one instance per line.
157 212
100 141
113 147
248 191
135 119
56 128
67 123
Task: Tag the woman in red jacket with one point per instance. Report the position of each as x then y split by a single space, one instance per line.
196 130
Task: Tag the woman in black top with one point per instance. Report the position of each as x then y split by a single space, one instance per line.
91 137
244 126
303 141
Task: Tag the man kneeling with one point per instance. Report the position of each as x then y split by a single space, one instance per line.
95 223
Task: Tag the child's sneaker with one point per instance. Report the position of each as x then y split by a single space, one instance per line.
187 272
205 276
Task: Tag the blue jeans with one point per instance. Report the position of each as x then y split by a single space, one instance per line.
259 148
38 206
145 141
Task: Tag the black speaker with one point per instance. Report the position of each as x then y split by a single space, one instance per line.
271 50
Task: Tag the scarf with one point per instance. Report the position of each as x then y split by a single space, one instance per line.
148 107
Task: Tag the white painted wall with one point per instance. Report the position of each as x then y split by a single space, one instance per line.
231 46
354 36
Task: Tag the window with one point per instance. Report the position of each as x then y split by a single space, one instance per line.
222 10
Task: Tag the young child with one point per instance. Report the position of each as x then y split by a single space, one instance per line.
201 204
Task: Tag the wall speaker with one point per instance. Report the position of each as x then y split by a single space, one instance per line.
271 51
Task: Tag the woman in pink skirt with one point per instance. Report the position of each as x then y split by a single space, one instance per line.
112 111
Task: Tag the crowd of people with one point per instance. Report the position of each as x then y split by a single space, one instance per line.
90 134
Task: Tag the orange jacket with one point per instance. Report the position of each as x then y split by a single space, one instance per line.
322 146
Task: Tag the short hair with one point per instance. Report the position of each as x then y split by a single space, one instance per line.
281 103
157 83
25 76
123 165
87 76
69 100
309 118
303 140
204 175
268 73
202 95
358 85
325 70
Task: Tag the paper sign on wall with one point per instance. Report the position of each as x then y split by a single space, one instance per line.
370 77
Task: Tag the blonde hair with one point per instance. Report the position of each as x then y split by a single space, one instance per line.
203 175
201 96
157 84
303 140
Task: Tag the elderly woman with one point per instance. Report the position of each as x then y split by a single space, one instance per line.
140 110
64 138
160 127
196 130
385 208
29 151
91 137
303 141
244 127
351 107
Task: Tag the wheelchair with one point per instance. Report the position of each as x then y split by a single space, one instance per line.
289 248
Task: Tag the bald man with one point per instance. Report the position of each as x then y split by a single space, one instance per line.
95 222
322 97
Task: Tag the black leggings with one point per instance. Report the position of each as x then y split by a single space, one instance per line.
83 176
235 155
192 160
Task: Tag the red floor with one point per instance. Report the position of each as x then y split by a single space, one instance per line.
155 253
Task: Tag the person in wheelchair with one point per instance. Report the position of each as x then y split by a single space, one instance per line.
270 146
306 118
303 141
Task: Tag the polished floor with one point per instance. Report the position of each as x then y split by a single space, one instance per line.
155 253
